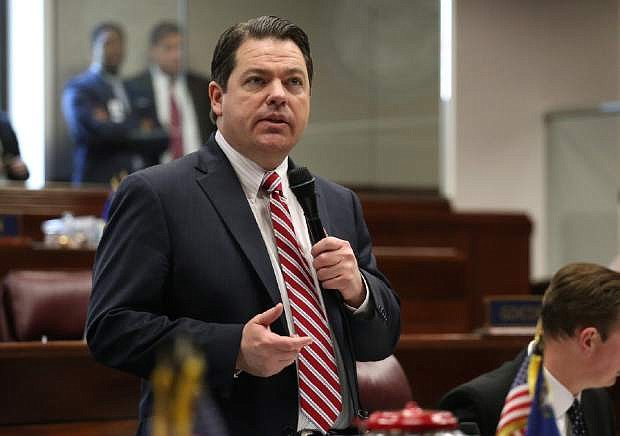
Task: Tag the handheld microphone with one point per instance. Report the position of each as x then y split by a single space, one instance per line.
301 182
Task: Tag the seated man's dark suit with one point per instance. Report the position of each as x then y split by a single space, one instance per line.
9 147
142 96
481 400
8 140
182 254
104 148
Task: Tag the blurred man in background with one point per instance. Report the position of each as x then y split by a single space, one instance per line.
108 139
177 99
11 163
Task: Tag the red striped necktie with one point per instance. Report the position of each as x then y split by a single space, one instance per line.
319 386
176 129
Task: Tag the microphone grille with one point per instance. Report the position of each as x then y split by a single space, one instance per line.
299 176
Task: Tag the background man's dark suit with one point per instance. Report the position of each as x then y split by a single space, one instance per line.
142 97
8 139
9 151
481 400
182 253
104 148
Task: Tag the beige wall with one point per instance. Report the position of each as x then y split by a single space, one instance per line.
515 61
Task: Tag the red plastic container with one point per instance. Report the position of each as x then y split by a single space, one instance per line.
412 420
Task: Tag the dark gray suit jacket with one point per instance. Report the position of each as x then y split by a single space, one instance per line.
182 254
142 98
481 401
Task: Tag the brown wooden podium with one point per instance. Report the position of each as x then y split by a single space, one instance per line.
441 262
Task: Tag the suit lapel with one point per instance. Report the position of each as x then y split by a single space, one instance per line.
593 414
104 89
221 186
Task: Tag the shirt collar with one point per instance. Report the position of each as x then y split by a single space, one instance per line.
559 397
250 174
158 74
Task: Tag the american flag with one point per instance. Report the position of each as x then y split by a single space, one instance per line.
526 411
513 419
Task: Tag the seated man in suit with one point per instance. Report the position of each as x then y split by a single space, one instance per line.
215 246
580 321
108 139
14 166
177 99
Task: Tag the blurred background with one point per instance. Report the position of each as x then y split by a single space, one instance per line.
493 105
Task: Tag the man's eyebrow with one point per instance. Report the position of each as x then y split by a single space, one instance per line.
266 72
254 71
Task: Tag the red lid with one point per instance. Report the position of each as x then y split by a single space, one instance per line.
412 418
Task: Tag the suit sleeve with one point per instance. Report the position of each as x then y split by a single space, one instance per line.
466 404
383 320
79 108
127 322
8 140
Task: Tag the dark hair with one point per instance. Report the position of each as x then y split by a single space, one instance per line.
106 26
257 28
163 29
581 295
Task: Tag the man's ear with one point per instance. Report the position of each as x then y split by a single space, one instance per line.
588 338
216 94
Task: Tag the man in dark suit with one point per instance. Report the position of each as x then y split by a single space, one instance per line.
214 246
14 166
581 355
108 139
177 99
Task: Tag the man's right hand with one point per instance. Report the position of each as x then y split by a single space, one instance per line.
264 353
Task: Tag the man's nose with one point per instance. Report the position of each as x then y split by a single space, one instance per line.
277 93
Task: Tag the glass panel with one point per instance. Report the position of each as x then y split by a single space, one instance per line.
73 23
583 181
375 107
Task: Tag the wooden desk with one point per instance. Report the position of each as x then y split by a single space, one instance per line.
56 387
33 206
60 382
442 262
436 363
27 255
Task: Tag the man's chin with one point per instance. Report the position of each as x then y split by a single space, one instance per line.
276 142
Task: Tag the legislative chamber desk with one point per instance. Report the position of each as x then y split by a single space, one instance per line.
57 388
443 263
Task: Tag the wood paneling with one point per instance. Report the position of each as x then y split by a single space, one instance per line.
60 381
443 263
26 255
434 287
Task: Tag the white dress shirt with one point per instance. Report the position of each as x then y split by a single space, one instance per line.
117 107
251 175
559 397
183 98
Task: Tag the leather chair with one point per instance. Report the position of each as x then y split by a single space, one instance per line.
383 385
44 303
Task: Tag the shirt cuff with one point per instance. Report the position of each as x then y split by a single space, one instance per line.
364 307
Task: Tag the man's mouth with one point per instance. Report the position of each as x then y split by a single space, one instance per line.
275 119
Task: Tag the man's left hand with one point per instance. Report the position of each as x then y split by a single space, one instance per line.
336 268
